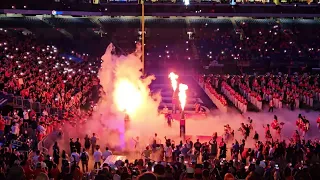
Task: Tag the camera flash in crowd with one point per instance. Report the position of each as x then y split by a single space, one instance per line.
5 48
40 70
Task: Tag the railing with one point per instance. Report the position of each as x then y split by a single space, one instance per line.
19 102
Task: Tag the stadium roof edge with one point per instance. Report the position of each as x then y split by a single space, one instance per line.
209 15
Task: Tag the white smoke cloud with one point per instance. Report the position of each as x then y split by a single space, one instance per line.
108 121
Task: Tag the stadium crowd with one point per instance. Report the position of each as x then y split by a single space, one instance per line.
292 91
40 89
293 159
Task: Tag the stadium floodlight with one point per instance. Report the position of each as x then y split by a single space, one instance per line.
186 2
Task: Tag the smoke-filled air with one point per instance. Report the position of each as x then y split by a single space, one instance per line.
126 93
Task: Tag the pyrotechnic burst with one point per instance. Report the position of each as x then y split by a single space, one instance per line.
182 95
173 77
127 96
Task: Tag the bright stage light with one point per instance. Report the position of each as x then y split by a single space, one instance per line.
127 96
183 95
173 77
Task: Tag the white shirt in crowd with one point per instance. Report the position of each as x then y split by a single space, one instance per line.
97 155
74 156
15 129
45 113
25 115
106 154
41 129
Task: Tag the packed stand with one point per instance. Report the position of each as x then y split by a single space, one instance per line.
257 45
210 88
293 91
38 73
46 83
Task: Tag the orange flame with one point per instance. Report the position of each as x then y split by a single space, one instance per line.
182 95
174 82
127 96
